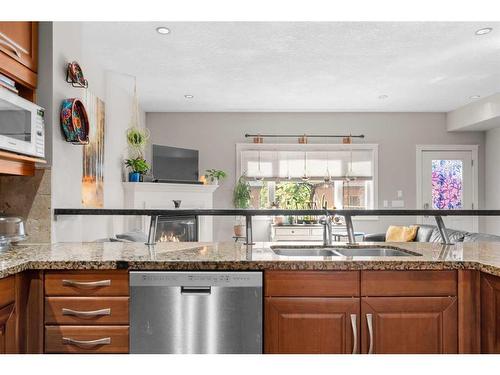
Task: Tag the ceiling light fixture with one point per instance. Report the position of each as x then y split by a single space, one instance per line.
163 30
484 31
189 96
383 96
474 97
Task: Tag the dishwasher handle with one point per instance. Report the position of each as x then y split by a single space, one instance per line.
196 290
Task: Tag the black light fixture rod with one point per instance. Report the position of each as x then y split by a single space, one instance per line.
303 135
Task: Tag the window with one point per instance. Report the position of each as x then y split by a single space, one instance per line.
309 176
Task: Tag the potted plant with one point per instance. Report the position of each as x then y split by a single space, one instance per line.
138 167
213 176
137 139
241 199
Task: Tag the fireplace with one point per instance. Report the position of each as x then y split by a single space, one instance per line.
177 229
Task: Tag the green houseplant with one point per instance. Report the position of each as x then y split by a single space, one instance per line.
241 199
213 176
138 167
137 139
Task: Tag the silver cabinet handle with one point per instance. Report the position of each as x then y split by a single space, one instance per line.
369 321
86 284
10 44
354 333
86 314
86 343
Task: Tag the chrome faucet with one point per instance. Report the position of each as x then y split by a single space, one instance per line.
327 230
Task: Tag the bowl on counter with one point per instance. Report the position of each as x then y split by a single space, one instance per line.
11 230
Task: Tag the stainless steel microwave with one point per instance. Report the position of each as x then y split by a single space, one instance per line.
21 125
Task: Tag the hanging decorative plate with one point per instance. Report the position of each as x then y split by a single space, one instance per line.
74 121
74 75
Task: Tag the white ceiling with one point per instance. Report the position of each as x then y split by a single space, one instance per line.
301 66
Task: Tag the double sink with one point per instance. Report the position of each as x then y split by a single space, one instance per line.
357 251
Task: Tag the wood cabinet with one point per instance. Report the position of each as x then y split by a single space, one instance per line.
312 325
409 325
311 312
19 51
8 326
490 314
361 312
86 312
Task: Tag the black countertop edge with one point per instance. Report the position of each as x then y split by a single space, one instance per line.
267 212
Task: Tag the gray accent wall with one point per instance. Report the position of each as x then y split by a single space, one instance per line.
397 134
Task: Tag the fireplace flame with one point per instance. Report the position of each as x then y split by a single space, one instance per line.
168 237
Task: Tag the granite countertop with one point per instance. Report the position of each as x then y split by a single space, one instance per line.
484 256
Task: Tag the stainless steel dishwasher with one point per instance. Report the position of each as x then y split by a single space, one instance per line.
195 312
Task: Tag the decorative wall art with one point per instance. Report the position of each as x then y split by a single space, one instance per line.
93 154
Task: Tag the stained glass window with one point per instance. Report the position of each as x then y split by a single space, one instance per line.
447 184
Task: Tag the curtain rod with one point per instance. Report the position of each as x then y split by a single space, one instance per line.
304 135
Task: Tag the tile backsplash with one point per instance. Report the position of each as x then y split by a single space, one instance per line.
29 197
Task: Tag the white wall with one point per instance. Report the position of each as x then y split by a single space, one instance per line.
492 179
117 92
215 136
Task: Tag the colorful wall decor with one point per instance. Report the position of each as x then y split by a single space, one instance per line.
447 184
93 154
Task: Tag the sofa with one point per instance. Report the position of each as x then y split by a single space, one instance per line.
430 233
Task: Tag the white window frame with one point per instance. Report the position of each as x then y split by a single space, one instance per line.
308 147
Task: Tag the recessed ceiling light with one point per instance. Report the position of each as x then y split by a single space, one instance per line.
162 30
383 96
189 96
484 31
474 97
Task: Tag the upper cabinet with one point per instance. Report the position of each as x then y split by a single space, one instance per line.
19 52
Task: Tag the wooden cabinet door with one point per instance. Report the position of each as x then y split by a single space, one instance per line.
7 330
19 40
409 325
490 314
299 325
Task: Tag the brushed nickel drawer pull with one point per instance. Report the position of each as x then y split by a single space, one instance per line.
369 321
86 284
86 343
86 314
13 46
354 333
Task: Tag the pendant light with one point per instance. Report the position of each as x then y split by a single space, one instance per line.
328 177
259 173
287 166
305 177
349 176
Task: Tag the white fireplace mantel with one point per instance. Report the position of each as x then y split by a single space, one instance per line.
161 195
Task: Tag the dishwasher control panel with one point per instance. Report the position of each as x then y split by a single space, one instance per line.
222 279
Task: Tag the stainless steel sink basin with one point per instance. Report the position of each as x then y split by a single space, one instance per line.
304 252
358 251
375 252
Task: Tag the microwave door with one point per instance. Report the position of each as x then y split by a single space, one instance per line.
16 128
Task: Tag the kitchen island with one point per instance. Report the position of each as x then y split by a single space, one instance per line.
439 299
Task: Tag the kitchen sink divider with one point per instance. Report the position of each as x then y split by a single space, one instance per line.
249 213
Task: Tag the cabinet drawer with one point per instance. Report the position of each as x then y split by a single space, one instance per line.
295 238
292 231
318 232
87 283
408 283
7 291
311 283
86 310
86 339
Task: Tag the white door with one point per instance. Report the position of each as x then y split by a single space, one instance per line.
448 183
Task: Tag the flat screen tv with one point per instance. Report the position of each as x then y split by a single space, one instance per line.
173 164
